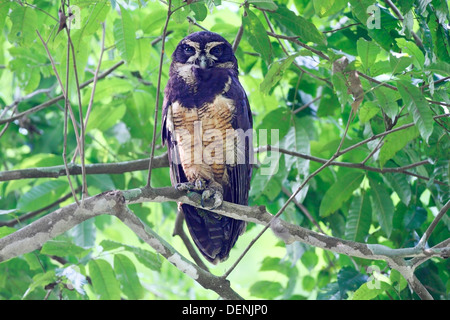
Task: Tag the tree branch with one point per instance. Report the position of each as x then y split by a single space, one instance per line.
114 203
74 169
34 235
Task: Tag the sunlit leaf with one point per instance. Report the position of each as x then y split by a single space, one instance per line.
358 219
104 281
127 276
124 34
418 106
339 192
382 206
257 36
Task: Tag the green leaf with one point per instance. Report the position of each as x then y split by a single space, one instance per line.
24 22
299 26
413 51
107 89
40 281
62 249
399 65
4 231
368 111
400 185
96 14
382 205
297 140
104 281
349 280
367 51
141 58
257 36
264 4
340 86
369 291
266 289
414 218
440 67
200 10
124 35
395 142
418 106
325 8
359 219
387 99
397 280
440 36
42 195
84 234
147 258
180 14
340 192
104 116
127 276
275 72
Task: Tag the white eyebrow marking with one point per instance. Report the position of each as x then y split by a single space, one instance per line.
194 44
211 45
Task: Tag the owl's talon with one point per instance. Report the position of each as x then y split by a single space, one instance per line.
197 185
184 186
210 195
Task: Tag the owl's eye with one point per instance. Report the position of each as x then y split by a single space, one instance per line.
189 50
217 51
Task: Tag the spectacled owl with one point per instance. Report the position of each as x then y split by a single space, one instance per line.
207 127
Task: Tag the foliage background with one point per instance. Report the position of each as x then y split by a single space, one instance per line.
291 88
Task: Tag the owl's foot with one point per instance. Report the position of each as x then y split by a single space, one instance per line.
212 198
197 185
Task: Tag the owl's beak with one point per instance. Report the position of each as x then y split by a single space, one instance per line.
202 61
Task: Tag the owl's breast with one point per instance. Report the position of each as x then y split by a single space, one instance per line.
205 137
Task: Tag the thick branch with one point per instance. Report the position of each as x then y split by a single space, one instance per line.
34 235
74 169
286 231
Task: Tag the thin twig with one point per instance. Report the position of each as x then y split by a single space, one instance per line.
342 28
84 191
301 44
433 224
32 214
91 99
60 97
158 91
67 107
238 38
306 105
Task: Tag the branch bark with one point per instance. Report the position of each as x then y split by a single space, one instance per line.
34 235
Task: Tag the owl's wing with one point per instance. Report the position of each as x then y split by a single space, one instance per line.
167 131
240 174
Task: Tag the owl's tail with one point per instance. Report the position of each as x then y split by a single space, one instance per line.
213 234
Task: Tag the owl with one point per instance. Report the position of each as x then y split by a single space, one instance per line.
207 127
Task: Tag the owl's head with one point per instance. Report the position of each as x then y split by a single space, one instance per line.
205 50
